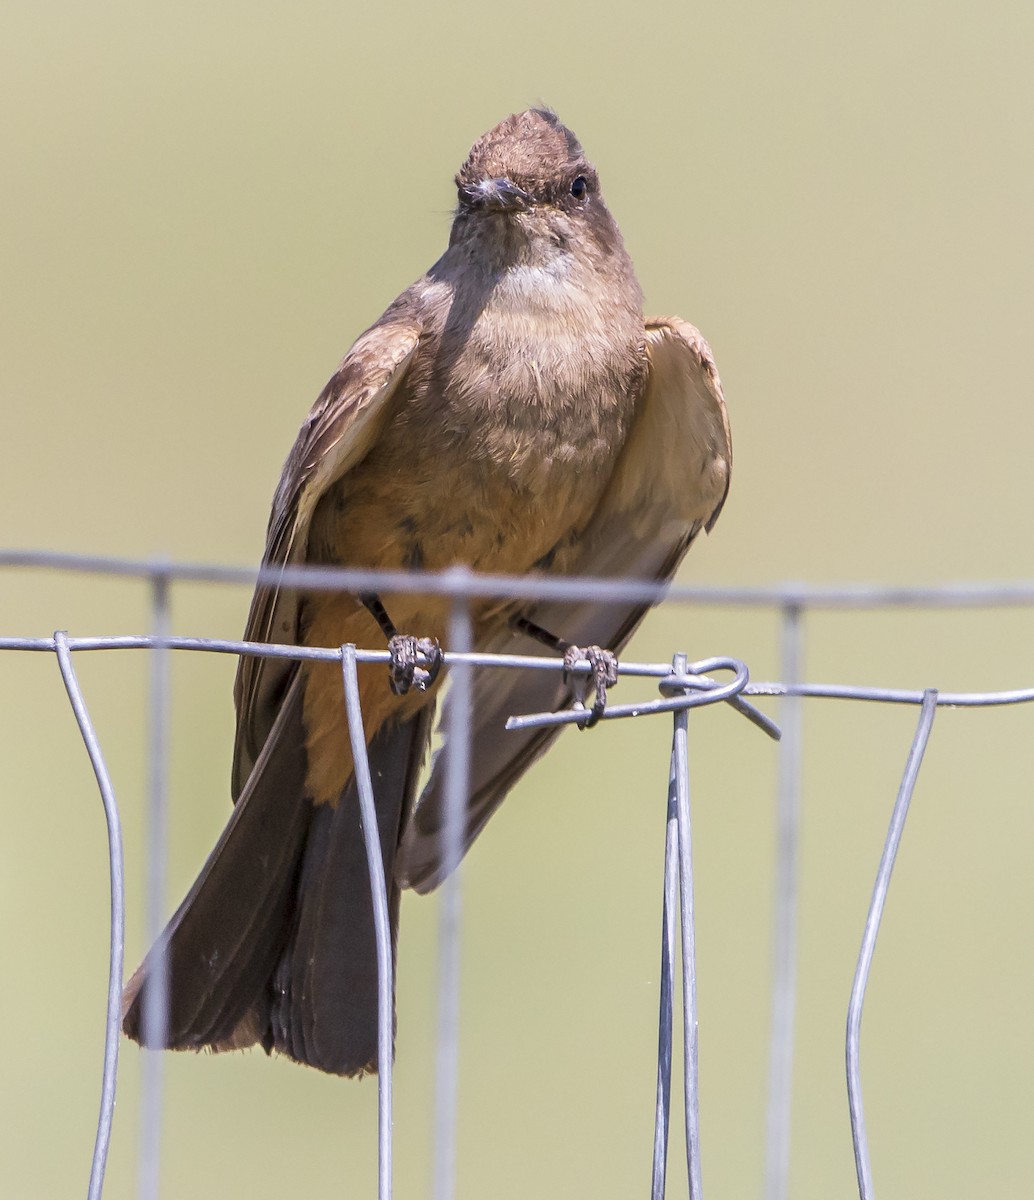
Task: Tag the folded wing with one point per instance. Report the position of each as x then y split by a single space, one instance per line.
343 425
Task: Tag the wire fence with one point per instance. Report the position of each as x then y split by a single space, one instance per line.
682 685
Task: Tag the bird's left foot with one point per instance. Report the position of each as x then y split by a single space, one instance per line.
415 663
603 674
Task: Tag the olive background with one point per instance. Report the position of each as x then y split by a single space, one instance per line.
202 205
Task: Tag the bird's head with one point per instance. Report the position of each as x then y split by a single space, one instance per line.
527 189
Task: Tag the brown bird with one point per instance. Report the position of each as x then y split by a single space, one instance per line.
511 411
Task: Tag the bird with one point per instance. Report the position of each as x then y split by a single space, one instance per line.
513 411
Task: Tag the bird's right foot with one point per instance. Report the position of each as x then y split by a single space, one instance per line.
415 663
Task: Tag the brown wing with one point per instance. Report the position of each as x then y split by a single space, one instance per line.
340 429
669 483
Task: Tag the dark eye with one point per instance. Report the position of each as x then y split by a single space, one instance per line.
579 187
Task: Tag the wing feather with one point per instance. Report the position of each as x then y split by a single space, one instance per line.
339 431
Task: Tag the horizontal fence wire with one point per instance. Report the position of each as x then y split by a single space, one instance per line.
683 686
459 581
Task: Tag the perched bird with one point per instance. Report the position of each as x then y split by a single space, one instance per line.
512 411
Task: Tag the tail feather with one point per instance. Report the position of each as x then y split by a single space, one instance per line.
275 941
332 952
328 954
223 942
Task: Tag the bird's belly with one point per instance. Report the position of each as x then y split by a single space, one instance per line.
422 512
504 499
503 480
464 517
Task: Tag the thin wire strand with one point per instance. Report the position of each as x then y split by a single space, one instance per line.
381 920
784 940
459 581
292 650
457 786
840 691
117 930
155 1014
831 691
690 690
662 1114
872 928
687 921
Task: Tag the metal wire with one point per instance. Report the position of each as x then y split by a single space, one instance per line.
155 1014
662 1115
687 924
678 910
784 935
457 581
457 774
381 919
872 928
838 691
682 686
117 940
685 690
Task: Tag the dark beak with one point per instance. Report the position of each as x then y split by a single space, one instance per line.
498 194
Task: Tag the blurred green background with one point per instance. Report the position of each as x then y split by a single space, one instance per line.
202 206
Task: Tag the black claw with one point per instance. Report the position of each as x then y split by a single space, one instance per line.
415 663
603 674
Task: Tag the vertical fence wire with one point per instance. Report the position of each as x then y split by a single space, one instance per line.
457 776
155 1013
662 1115
680 780
117 930
678 908
381 919
872 927
784 941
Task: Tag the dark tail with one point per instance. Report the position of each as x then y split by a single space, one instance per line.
274 943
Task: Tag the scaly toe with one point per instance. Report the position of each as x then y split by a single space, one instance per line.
603 674
415 663
403 665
